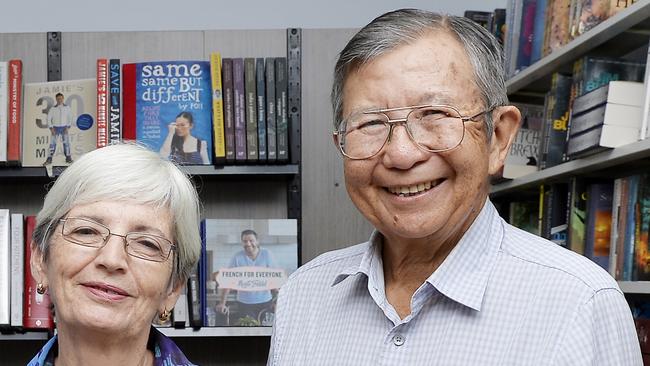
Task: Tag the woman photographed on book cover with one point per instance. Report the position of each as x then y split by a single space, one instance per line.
112 248
181 146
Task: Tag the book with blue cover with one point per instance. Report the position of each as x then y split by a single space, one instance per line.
168 107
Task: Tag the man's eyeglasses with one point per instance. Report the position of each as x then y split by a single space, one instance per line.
434 128
92 234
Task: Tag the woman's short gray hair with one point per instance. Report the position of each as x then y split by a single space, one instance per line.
131 173
405 26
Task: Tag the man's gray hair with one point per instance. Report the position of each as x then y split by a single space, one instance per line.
127 173
405 26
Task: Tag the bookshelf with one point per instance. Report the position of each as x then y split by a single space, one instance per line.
626 34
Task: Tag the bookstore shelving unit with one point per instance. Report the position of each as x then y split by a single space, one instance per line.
625 33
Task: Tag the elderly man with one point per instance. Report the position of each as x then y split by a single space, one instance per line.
422 120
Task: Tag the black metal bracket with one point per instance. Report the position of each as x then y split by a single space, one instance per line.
294 64
53 56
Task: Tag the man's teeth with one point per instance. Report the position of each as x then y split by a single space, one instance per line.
411 190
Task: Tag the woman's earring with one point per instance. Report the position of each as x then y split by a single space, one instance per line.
40 288
164 316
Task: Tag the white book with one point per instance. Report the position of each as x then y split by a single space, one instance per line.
5 268
645 116
17 266
4 106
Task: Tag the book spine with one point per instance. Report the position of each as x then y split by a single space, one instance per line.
202 275
271 110
621 227
102 102
282 118
228 109
240 109
261 109
217 109
642 247
538 31
115 108
645 117
180 311
36 307
251 110
5 268
526 35
14 138
129 102
17 262
4 122
193 299
630 232
613 237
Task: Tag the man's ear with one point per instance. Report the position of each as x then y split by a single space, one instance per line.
38 266
507 120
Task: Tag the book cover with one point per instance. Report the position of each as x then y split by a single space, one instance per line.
102 102
240 109
557 121
15 108
599 223
281 116
5 268
228 109
4 121
248 261
59 121
559 24
194 316
526 35
642 246
271 110
251 110
523 214
577 215
524 152
217 109
483 18
115 103
621 227
593 12
261 109
613 239
17 263
538 31
599 71
36 307
170 104
632 214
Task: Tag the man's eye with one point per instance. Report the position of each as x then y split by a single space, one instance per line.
371 124
84 231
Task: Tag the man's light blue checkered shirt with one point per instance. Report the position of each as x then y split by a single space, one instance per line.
501 297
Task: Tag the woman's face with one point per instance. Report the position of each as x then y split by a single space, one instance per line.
105 289
183 126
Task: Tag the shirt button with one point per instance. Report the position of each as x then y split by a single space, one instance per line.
398 340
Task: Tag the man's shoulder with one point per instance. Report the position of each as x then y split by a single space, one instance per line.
333 261
550 257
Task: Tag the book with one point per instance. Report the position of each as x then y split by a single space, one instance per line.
538 31
217 109
194 299
483 18
524 152
632 212
271 110
523 214
498 28
4 120
526 35
559 24
613 238
240 109
621 227
169 106
5 268
58 133
593 12
577 215
251 110
645 114
281 116
102 102
15 107
247 261
228 109
599 221
260 87
642 245
556 121
36 307
17 263
115 103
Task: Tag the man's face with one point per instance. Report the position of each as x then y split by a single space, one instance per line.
59 99
249 243
432 70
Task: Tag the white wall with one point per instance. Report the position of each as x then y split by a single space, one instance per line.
129 15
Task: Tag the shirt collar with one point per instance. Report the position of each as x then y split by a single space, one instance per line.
463 275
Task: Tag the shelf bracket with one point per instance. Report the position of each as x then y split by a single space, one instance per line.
294 64
53 56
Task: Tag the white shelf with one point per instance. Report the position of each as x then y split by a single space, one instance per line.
24 336
635 287
597 162
218 332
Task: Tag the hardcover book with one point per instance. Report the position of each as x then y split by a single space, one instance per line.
4 121
217 109
240 109
168 107
102 102
15 108
642 245
37 312
251 110
524 152
17 263
593 12
556 122
228 109
599 221
281 116
247 261
5 268
59 124
271 110
261 109
115 103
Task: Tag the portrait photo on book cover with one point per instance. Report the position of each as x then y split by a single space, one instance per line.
247 261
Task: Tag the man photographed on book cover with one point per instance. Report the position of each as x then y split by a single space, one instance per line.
422 120
59 121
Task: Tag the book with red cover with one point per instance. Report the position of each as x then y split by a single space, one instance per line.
102 102
36 308
14 139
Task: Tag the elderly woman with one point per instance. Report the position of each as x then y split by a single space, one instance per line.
113 247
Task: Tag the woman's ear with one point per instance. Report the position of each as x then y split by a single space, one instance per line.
172 295
38 265
507 120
